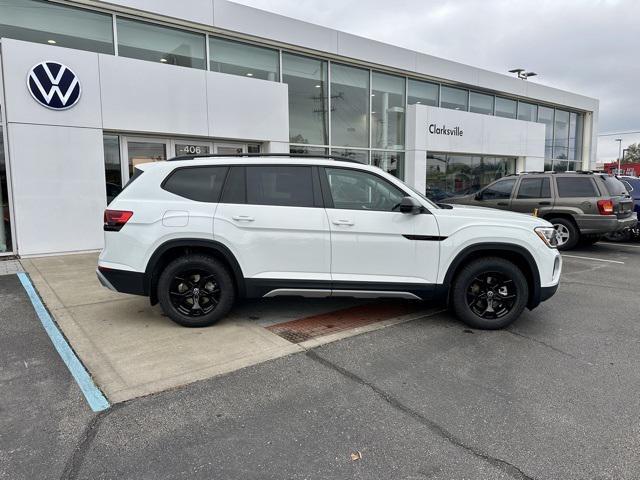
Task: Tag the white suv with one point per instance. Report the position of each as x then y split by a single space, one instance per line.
197 233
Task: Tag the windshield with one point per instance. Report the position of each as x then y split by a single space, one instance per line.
614 186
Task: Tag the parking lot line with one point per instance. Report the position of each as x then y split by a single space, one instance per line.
592 258
620 244
94 396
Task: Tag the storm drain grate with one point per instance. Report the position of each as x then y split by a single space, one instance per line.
298 331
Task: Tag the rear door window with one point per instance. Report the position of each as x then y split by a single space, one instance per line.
576 187
202 184
281 185
534 188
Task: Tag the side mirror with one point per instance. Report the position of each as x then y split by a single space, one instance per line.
478 196
410 205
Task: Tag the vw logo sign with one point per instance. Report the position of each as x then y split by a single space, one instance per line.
53 85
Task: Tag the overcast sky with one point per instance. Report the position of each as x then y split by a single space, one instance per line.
585 46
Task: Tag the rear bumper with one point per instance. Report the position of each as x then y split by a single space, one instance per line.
122 281
601 224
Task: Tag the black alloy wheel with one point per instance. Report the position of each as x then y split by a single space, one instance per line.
194 293
196 290
489 293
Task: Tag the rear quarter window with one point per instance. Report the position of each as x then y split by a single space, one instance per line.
613 185
202 184
576 187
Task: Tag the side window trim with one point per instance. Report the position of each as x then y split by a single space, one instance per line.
325 188
227 182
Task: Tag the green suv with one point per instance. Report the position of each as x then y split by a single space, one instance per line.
582 206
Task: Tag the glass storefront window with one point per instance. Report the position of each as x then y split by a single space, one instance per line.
5 220
192 149
361 156
481 103
545 116
237 58
349 106
390 162
53 24
112 170
561 135
155 43
575 136
306 150
308 99
144 152
454 98
506 108
527 112
387 111
424 93
453 175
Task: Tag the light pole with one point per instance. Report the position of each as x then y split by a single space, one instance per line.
619 140
521 74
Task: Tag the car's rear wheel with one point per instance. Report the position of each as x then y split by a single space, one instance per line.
567 233
196 291
489 293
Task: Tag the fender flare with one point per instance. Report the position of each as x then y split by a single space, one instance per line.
214 245
535 288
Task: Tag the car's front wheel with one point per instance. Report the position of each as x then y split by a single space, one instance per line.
489 293
196 290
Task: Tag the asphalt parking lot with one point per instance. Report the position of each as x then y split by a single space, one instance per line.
554 396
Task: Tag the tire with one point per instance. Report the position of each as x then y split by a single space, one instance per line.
569 235
621 236
470 293
196 290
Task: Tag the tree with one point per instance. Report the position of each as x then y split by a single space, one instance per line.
632 154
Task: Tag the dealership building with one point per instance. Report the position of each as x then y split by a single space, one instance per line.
89 89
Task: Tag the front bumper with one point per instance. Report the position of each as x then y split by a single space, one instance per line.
122 281
601 224
547 292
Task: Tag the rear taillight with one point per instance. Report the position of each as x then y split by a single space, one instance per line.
114 220
605 207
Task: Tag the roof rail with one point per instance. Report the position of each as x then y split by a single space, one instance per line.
258 155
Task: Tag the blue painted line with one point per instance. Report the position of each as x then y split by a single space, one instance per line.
94 396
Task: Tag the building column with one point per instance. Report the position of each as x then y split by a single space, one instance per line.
530 164
276 147
415 169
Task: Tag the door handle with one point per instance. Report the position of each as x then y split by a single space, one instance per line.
243 218
503 204
544 203
344 223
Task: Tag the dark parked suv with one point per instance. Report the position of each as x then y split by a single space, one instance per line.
582 206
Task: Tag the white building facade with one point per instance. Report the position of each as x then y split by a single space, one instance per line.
89 89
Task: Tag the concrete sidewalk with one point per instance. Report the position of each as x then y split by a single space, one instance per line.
131 349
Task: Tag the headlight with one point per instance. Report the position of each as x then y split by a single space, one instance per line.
548 236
